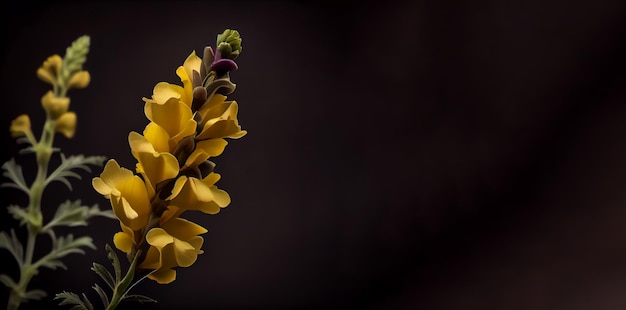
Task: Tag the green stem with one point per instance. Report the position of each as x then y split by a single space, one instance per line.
115 300
124 285
43 151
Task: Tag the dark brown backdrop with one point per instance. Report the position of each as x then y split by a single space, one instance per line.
423 155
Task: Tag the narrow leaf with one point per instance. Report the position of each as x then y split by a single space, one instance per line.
104 274
35 294
115 261
19 214
13 245
139 298
102 294
87 302
6 280
68 298
53 264
13 171
63 171
64 246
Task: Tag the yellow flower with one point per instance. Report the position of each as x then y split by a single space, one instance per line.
55 106
154 166
190 193
49 71
66 124
164 91
218 119
20 126
204 150
127 192
173 116
175 244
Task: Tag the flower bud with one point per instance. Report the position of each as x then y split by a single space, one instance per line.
229 44
66 124
79 80
20 126
55 106
49 70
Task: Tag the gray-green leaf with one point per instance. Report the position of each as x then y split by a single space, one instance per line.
102 294
13 171
104 274
6 280
19 214
13 245
74 214
35 294
139 298
62 247
64 171
69 298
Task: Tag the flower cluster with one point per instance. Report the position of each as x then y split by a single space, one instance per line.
63 74
188 126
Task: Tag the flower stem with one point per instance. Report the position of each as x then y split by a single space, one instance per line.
43 150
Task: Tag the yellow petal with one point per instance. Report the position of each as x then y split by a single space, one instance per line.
191 64
221 122
204 150
66 124
159 166
128 194
184 253
171 115
163 276
164 91
159 238
200 191
220 197
111 175
123 242
183 229
178 187
187 95
209 108
79 80
199 195
189 128
158 137
139 144
20 126
212 178
152 259
128 210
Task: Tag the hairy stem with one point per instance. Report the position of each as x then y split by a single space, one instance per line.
43 151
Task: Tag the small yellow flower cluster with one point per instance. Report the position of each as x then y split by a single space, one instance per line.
188 126
63 77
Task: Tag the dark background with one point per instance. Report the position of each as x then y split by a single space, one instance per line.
400 155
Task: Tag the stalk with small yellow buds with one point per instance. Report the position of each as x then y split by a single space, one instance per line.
63 74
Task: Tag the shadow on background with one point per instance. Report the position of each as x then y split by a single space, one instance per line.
400 155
